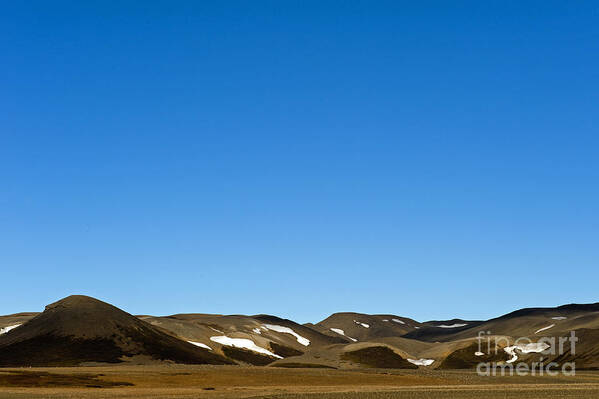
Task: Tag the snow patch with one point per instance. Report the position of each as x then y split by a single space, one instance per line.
341 332
242 343
362 324
511 350
385 319
4 330
544 328
417 328
398 321
479 354
527 348
201 345
421 362
456 325
559 318
257 330
287 330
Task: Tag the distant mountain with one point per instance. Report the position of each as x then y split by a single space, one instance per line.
82 330
529 322
354 327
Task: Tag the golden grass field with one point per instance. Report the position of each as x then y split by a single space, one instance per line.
180 381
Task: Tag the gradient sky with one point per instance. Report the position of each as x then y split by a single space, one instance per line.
427 159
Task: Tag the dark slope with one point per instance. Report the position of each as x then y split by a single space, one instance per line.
586 353
520 323
442 330
564 310
378 357
465 358
81 329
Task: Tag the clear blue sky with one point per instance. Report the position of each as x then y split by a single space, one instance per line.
425 159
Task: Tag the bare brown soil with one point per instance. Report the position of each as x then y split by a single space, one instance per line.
180 381
26 378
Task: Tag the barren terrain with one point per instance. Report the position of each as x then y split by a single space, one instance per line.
186 381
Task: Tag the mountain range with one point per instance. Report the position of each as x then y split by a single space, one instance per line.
80 330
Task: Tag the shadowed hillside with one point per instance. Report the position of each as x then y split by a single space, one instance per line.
81 329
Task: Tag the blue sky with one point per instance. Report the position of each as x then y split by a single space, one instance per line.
427 159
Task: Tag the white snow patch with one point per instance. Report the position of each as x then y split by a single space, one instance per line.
385 319
287 330
341 332
418 328
257 330
559 318
398 321
421 362
511 350
544 328
362 324
201 345
535 347
242 343
218 331
4 330
456 325
479 354
527 348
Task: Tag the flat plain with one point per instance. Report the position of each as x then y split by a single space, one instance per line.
186 381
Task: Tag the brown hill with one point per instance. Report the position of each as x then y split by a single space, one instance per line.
81 329
378 357
278 336
12 320
529 322
358 327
